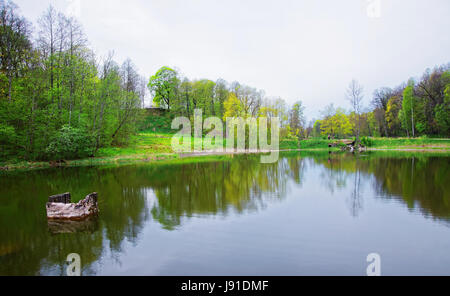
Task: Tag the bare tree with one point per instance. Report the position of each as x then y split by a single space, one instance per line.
130 77
47 36
130 84
142 90
381 97
76 41
356 198
354 95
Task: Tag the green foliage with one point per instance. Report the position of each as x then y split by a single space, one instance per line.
336 125
49 91
297 119
289 143
163 86
70 143
52 92
7 139
158 124
442 114
366 142
7 134
408 106
315 143
394 106
232 107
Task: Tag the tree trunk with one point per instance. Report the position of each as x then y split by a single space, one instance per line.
412 119
10 88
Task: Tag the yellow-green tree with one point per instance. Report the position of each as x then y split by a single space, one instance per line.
337 125
232 107
394 106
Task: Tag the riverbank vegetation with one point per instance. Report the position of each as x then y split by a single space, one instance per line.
59 101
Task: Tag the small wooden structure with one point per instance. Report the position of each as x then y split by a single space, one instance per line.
60 207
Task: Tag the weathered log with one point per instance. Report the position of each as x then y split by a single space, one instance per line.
71 211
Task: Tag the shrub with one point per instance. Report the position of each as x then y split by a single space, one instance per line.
8 137
366 141
70 143
7 134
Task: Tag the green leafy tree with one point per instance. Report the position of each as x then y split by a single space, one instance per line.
163 86
408 106
297 119
442 113
393 108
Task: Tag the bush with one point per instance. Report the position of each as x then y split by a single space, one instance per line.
70 143
7 134
366 141
7 138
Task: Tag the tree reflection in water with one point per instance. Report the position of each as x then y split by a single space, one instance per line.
171 194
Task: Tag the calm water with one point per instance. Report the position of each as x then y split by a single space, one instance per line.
307 214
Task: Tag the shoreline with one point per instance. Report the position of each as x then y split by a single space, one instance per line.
174 157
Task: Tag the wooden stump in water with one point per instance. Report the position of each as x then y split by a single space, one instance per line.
59 207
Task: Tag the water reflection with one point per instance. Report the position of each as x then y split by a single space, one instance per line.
421 182
130 197
216 188
69 226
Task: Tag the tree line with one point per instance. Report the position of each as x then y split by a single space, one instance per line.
415 108
222 99
412 109
57 99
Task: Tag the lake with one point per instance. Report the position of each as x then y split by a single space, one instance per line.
307 214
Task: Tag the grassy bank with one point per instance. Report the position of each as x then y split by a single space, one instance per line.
410 143
383 143
155 145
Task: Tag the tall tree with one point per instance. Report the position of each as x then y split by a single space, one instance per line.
297 119
380 100
354 95
163 86
408 106
15 44
47 40
394 106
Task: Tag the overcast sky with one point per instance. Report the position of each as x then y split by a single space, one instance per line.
297 50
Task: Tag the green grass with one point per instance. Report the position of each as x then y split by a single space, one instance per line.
155 146
317 143
288 144
410 143
383 143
